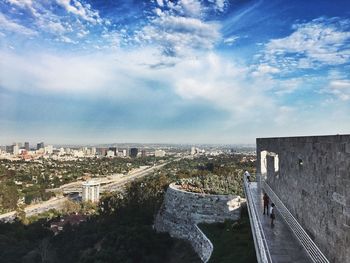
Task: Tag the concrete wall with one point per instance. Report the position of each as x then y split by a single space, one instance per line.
182 210
313 181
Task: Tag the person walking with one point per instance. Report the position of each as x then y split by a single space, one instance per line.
272 214
266 200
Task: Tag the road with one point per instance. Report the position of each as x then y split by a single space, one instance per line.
112 184
53 203
57 202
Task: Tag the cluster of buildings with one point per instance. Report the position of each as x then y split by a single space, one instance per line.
25 151
195 151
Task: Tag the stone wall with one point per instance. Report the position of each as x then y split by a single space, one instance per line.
181 211
312 178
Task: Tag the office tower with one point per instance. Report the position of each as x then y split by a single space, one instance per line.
26 146
101 151
9 149
133 152
143 153
93 151
15 149
40 145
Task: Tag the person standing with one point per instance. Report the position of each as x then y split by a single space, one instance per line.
247 174
272 214
266 200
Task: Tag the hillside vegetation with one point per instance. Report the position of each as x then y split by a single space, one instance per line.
121 230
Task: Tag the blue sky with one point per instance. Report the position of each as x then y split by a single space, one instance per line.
186 71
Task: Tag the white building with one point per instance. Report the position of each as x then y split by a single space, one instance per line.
159 153
15 149
193 150
110 153
91 191
49 149
93 151
78 154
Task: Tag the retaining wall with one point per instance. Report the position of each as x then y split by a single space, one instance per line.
181 211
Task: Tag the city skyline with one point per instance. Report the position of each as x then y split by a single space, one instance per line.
162 71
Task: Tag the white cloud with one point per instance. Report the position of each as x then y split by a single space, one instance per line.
24 4
160 3
209 79
82 10
264 69
179 36
230 40
124 75
11 26
223 84
319 42
191 7
219 4
340 88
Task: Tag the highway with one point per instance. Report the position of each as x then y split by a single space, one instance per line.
111 184
53 203
76 187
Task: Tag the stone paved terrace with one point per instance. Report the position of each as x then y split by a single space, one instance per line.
281 242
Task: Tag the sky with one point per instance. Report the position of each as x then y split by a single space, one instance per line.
186 71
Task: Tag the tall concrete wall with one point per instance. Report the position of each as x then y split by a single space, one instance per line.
182 211
312 178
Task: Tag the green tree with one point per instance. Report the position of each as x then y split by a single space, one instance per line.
8 195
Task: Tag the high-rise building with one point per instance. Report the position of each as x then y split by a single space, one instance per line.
102 151
91 191
125 152
9 149
143 153
40 145
26 146
15 149
133 152
93 151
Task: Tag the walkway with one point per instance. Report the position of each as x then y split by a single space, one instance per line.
281 242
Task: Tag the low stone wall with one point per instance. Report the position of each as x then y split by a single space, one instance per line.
181 211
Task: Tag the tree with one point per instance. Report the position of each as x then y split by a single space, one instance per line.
70 207
8 195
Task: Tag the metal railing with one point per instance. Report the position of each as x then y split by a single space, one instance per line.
261 248
311 248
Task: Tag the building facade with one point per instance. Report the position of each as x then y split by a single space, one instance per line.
311 175
133 152
91 191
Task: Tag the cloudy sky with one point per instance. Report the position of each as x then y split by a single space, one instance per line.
192 71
